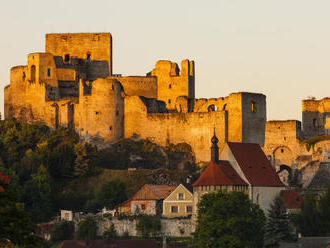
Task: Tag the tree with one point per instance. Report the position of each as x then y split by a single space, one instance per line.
110 233
229 219
63 230
16 224
309 217
148 225
277 226
87 229
324 209
38 196
81 163
111 194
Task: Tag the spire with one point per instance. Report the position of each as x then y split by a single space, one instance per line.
214 148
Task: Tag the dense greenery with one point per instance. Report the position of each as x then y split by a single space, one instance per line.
314 219
87 229
16 224
230 220
54 170
148 226
63 230
278 225
110 233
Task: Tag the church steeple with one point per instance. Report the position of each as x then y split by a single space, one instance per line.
214 148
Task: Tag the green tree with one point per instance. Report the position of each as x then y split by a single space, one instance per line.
277 226
148 225
324 211
111 194
81 163
16 224
38 196
229 220
309 217
110 233
87 229
63 230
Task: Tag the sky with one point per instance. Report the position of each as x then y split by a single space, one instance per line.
276 47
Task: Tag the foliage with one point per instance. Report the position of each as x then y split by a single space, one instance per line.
87 229
229 219
111 194
38 196
311 142
16 224
110 233
277 226
148 226
63 230
314 218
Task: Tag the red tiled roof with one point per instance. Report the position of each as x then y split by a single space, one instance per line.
108 244
220 173
153 192
255 165
291 199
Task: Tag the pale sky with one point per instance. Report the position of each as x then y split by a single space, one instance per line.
276 47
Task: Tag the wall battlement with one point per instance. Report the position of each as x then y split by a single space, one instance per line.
71 84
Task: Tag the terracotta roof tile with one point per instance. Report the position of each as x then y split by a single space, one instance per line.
255 165
153 192
291 198
220 173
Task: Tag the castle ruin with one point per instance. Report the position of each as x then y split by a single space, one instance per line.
72 84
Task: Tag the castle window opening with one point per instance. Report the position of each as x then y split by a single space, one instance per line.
169 100
170 86
96 112
48 72
117 112
33 73
24 76
67 58
253 107
314 122
282 150
212 108
88 57
110 128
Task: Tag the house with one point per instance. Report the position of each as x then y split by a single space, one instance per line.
292 200
239 167
218 175
179 202
124 207
149 199
252 165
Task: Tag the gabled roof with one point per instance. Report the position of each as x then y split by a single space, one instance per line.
255 165
153 192
291 199
180 185
219 174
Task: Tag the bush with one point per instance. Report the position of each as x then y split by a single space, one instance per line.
148 226
87 229
63 230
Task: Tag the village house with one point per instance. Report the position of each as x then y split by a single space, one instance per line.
243 167
292 200
179 203
148 200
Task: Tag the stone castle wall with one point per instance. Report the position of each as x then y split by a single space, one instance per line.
71 85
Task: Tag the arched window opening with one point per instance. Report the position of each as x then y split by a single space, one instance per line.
24 76
88 57
33 73
67 58
212 108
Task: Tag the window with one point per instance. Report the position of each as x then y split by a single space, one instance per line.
88 57
212 108
24 76
170 86
33 73
314 123
143 206
48 72
282 150
174 209
169 100
189 209
253 107
67 58
180 196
